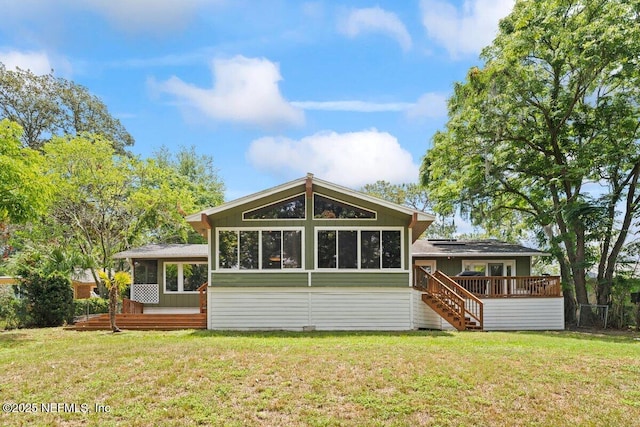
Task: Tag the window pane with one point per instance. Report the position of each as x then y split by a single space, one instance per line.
228 251
370 249
347 249
194 275
286 209
248 250
391 253
326 249
271 249
145 271
292 249
171 277
326 208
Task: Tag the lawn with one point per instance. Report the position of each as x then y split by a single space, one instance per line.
319 379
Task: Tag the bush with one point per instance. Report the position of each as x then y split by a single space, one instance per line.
13 313
49 299
86 306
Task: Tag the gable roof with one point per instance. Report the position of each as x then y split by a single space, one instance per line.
419 219
471 248
178 250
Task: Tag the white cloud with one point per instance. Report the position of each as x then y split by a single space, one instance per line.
379 20
38 62
155 16
465 31
429 105
245 91
352 159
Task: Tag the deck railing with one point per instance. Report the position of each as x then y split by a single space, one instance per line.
132 307
203 297
511 286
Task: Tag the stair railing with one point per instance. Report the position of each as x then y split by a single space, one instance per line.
474 306
445 296
203 297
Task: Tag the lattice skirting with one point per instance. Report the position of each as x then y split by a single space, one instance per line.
145 293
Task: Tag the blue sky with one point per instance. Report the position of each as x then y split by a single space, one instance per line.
351 91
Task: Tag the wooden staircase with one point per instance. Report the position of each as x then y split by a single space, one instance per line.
144 322
459 307
446 309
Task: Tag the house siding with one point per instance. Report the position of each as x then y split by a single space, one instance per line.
319 309
511 314
259 279
358 279
423 316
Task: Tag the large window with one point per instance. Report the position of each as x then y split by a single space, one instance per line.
292 208
145 271
260 249
184 277
365 249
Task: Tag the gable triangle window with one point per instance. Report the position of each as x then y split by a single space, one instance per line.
327 208
291 208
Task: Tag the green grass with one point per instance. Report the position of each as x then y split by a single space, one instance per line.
322 379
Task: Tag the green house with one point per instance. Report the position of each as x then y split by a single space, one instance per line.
313 255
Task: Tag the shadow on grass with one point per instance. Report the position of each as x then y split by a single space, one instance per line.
13 338
320 334
605 335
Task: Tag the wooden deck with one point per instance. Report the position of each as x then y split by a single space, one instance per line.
144 322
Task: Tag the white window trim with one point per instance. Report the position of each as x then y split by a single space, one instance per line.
359 229
313 210
273 203
180 265
486 262
260 269
431 263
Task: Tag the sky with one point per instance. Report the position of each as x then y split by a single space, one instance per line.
351 91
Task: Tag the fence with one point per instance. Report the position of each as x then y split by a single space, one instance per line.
593 315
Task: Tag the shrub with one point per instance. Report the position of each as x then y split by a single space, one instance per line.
93 305
13 313
49 298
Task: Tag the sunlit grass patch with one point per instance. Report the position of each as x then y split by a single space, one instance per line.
322 378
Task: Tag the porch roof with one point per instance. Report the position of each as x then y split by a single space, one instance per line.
471 248
178 250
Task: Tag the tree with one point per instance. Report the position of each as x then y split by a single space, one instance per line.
415 197
116 286
195 174
545 134
46 106
105 202
23 191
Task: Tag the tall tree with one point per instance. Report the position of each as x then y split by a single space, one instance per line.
196 174
105 202
23 191
45 106
413 196
546 132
